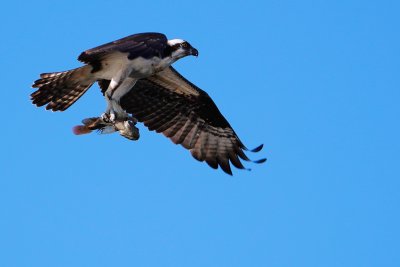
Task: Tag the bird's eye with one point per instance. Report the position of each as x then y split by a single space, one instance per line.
184 45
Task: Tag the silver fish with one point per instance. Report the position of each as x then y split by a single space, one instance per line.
125 128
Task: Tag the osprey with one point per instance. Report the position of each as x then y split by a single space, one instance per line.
136 77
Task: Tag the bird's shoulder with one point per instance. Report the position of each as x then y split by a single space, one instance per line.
142 44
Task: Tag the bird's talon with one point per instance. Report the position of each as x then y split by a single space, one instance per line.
105 117
112 117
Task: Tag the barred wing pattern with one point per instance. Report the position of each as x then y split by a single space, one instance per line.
168 103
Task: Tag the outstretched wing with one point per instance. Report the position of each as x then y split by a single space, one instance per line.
168 103
145 45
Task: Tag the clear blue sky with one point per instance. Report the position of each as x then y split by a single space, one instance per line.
316 81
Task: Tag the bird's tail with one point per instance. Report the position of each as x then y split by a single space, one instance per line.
59 90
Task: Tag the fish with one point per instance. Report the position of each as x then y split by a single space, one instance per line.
125 128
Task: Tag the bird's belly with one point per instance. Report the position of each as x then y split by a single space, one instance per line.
138 68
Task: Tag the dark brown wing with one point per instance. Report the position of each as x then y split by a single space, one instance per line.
146 45
168 103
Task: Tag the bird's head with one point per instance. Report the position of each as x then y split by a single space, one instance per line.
180 48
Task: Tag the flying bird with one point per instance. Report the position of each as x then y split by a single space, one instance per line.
136 77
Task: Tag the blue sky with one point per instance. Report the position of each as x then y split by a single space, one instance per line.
316 81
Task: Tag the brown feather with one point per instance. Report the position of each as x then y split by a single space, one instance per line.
184 113
59 90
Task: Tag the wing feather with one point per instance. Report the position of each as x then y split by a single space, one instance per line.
169 104
166 122
191 137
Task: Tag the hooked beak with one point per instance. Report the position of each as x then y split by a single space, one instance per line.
194 52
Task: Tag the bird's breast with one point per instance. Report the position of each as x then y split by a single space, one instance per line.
142 68
136 68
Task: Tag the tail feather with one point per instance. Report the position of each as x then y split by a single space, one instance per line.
59 90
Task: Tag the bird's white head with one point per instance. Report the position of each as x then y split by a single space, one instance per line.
181 48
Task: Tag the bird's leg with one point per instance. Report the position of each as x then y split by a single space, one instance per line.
114 111
115 114
118 88
106 116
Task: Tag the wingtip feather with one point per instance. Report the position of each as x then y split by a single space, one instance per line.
257 149
260 161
